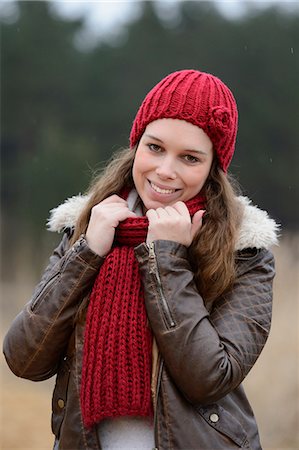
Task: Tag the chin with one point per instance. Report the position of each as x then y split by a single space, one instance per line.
152 204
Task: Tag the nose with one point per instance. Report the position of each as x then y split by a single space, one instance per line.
166 169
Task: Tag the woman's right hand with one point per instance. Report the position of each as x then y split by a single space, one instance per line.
104 218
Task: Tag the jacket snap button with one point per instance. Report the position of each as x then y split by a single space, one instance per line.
60 403
214 418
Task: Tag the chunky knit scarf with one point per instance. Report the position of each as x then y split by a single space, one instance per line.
116 371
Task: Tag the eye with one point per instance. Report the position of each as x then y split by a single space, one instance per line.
154 148
191 159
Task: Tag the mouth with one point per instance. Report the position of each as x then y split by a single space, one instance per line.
161 190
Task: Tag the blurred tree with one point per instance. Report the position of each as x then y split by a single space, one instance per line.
65 110
38 96
268 73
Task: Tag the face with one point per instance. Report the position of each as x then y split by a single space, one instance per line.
172 162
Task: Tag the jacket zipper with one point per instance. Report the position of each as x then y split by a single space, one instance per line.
49 283
155 272
44 291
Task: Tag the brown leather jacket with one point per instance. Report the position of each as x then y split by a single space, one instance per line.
203 355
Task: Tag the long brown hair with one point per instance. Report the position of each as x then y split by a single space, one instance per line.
212 250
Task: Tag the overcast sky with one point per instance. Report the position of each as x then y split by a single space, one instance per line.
106 19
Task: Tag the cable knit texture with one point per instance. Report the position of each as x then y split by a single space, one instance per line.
116 372
199 98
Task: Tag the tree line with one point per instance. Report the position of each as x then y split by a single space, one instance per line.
65 110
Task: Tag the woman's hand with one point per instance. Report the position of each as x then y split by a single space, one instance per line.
105 217
173 223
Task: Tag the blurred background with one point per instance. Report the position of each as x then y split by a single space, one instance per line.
72 77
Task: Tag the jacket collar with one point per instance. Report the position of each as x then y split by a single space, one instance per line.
257 229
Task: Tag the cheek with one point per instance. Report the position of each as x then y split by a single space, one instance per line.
137 170
196 179
134 172
141 165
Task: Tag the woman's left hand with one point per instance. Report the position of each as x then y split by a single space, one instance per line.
173 223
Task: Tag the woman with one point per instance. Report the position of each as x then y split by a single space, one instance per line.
157 302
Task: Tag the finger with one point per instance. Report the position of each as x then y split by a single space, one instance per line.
112 213
151 214
120 209
113 199
181 208
162 212
107 208
132 214
120 215
171 211
197 222
127 214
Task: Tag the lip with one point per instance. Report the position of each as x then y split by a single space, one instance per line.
162 198
162 186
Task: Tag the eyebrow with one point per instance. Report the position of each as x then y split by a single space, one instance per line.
202 152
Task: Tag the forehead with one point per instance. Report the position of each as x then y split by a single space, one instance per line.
179 133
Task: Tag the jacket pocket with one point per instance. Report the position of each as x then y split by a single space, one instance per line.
59 398
225 423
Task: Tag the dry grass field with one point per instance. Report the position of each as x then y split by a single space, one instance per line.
272 385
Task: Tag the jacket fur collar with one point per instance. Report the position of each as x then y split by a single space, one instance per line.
257 229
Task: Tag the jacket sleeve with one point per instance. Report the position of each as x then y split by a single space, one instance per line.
40 333
207 354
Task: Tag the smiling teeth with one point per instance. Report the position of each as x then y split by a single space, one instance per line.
162 191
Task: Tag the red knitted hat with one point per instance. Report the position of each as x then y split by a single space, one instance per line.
199 98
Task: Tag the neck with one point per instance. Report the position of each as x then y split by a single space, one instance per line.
136 205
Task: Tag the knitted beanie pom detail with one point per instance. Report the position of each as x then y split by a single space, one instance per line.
220 121
196 97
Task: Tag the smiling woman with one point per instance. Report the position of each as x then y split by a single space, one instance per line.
157 302
172 162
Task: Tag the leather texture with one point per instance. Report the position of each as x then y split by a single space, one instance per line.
203 356
206 354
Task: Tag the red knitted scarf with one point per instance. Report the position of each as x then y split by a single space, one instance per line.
116 371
